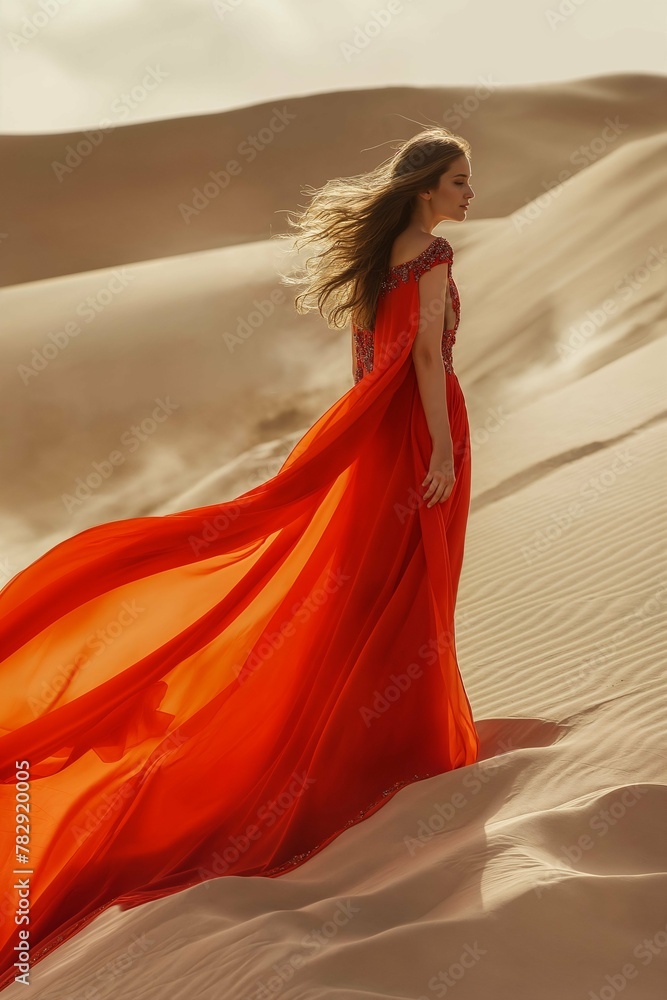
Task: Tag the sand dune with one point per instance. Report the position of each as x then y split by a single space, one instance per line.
571 282
189 334
539 873
186 336
76 202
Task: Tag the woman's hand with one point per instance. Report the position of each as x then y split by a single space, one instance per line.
440 477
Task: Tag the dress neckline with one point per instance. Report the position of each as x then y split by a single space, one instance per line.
408 263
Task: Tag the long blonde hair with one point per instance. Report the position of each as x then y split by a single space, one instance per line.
355 220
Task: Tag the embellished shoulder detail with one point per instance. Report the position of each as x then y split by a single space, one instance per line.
363 352
437 252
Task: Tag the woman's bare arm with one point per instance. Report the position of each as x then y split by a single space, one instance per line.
430 372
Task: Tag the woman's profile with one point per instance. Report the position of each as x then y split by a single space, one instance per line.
288 662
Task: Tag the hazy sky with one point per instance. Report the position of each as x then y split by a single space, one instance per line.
67 64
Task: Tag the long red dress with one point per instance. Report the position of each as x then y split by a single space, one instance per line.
223 691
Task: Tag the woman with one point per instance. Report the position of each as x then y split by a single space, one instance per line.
279 665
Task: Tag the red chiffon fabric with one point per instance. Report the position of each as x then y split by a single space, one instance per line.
224 690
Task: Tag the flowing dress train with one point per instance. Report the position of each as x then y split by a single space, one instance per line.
224 690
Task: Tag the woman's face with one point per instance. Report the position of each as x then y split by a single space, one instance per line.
453 193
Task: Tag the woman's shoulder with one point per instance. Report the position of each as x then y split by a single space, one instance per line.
412 248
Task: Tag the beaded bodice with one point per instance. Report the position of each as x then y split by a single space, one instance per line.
437 252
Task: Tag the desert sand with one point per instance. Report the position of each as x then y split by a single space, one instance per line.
539 873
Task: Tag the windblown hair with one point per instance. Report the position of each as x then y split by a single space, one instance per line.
355 220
